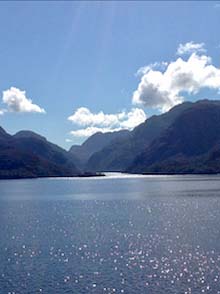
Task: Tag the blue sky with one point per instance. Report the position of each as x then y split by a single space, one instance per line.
69 55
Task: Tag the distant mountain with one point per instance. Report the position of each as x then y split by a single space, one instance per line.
29 134
191 144
94 144
119 154
27 154
186 139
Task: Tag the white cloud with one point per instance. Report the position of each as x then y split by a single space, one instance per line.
191 47
101 122
133 118
84 117
17 101
156 65
89 131
2 111
68 140
164 89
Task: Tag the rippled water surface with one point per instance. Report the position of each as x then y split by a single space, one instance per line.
118 234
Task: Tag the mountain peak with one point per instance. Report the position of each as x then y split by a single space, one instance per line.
29 134
4 134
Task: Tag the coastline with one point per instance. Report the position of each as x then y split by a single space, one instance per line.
107 174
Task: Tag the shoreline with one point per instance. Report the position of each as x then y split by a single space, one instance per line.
85 175
105 174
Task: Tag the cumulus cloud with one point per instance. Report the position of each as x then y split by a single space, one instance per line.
191 47
164 89
101 122
84 117
133 118
156 65
17 101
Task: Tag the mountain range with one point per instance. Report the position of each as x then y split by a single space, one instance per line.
191 144
94 144
29 155
186 139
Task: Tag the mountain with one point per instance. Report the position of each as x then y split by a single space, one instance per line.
27 154
29 134
3 134
119 154
191 144
94 144
186 139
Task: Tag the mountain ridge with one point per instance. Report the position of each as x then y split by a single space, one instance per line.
95 143
186 139
119 155
29 155
190 145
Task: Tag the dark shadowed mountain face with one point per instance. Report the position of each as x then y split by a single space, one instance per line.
95 143
120 153
190 145
4 135
27 154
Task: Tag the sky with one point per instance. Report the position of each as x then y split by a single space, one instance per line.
70 69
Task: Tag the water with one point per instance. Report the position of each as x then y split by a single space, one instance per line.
119 234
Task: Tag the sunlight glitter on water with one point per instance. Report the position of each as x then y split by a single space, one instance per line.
157 244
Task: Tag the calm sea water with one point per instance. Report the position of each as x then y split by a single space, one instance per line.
119 234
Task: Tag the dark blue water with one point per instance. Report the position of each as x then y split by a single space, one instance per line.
110 235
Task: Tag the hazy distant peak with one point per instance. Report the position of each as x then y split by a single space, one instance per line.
29 134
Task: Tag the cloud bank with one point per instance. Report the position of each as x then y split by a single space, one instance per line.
162 89
101 122
16 101
89 131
